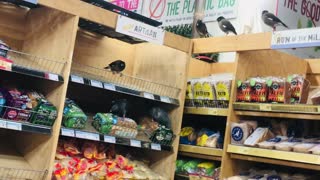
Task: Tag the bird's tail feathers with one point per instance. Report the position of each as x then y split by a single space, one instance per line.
284 25
108 67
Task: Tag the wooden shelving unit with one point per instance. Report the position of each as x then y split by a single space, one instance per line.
200 152
206 111
254 58
52 54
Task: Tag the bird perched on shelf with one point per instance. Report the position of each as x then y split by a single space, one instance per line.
272 20
120 107
202 29
226 25
160 116
116 67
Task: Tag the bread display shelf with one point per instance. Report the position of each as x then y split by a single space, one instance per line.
101 78
283 108
200 150
31 65
275 154
206 111
24 126
90 133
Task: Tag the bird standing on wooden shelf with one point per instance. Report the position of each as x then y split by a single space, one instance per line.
116 67
202 29
160 116
120 107
226 25
272 20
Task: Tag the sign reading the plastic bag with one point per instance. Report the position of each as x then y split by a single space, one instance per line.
139 30
299 38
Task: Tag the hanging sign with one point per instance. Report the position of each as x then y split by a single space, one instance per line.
139 30
176 12
298 38
131 5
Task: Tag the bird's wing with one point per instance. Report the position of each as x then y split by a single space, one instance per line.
227 25
272 17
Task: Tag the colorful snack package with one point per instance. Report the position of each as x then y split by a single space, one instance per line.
222 85
279 90
197 92
243 91
203 136
206 169
2 102
299 87
189 95
208 92
73 116
188 136
259 90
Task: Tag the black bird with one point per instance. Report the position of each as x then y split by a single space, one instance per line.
226 26
120 107
202 29
272 20
116 66
160 116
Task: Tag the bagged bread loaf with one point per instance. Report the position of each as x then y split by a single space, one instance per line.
279 90
243 91
285 146
239 132
299 87
259 135
316 98
315 150
259 89
269 144
303 147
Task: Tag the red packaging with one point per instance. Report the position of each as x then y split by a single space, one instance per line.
243 91
259 90
278 90
299 87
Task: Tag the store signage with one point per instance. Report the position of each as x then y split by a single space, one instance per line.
131 5
139 30
176 12
298 38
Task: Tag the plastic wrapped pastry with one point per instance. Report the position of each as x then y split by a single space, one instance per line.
315 150
303 147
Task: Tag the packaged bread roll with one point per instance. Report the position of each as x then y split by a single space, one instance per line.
303 147
285 146
269 144
315 150
239 132
259 135
299 87
316 98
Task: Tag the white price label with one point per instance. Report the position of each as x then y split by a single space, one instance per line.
14 126
96 83
3 124
67 132
87 135
265 107
156 146
77 79
165 99
110 139
148 95
135 143
109 86
53 77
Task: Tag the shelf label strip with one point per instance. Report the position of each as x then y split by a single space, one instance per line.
87 135
77 79
156 147
135 143
110 139
110 87
95 83
3 124
165 99
148 95
53 77
14 126
67 132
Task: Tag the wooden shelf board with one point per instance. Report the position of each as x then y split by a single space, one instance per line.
11 158
206 111
246 42
200 156
200 150
275 161
279 115
280 108
274 154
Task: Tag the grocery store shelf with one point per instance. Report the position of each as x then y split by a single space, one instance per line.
206 111
101 78
283 108
24 3
275 155
315 117
200 152
30 65
182 176
90 133
24 126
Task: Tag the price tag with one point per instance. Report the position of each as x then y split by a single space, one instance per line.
109 86
165 99
318 109
156 147
87 135
110 139
148 95
135 143
3 124
77 79
67 132
265 107
14 126
53 77
95 83
213 112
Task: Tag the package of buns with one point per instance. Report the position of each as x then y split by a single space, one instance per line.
278 90
239 132
252 124
285 146
243 91
303 147
315 149
259 135
315 98
222 85
269 144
